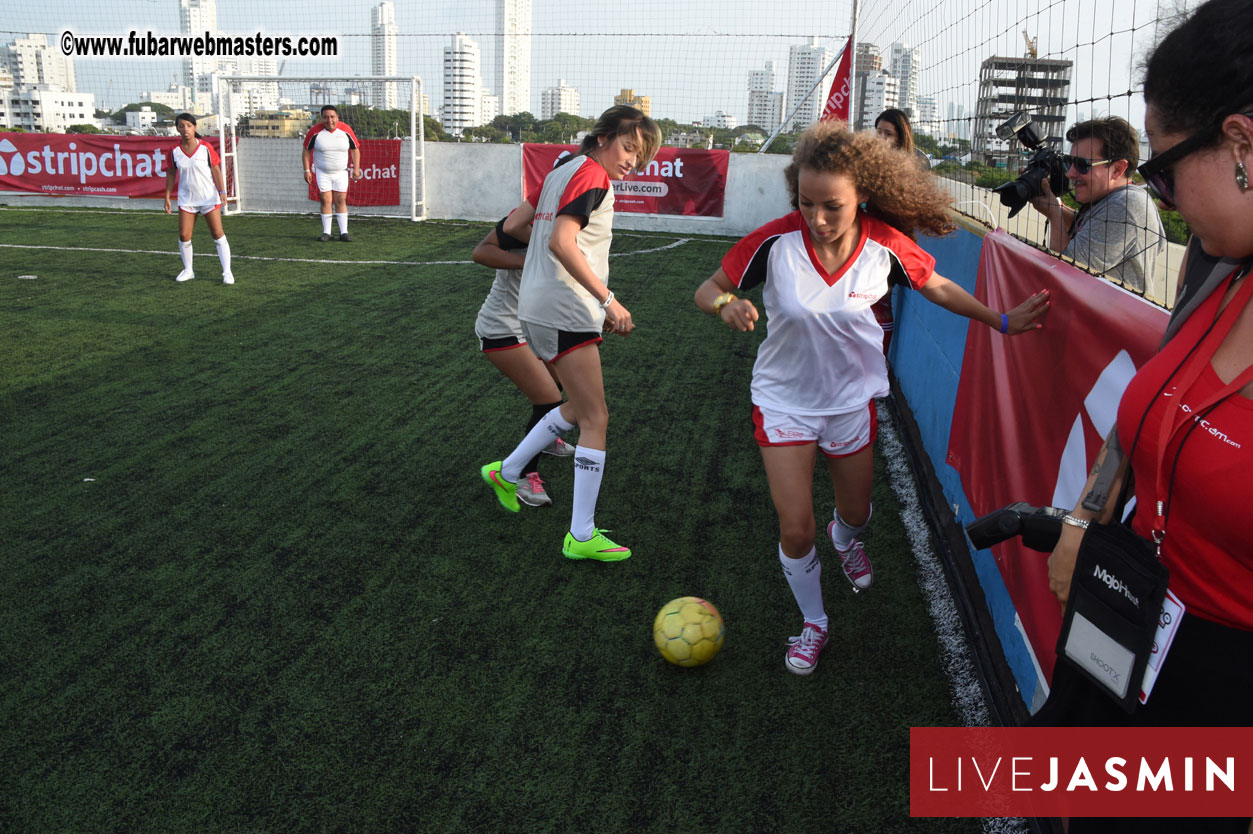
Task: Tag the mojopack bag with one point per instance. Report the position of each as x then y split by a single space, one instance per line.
1112 614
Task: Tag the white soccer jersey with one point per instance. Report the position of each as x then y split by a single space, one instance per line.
195 177
549 295
330 148
823 352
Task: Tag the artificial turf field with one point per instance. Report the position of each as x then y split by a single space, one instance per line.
253 582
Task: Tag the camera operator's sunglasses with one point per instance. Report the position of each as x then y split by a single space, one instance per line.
1157 172
1083 166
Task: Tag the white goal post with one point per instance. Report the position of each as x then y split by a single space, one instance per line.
263 118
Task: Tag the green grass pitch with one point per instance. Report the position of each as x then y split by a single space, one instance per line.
252 581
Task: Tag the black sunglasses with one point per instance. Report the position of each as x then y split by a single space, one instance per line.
1157 171
1082 165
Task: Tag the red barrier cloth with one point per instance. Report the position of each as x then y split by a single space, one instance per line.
380 169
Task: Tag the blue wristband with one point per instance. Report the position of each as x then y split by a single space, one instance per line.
1004 322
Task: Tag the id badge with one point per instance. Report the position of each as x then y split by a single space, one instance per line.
1167 624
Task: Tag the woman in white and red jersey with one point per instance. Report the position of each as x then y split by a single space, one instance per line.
201 189
819 369
565 303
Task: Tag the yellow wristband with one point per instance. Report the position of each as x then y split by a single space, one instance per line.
722 301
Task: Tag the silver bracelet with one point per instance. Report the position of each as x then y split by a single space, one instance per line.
1075 522
608 300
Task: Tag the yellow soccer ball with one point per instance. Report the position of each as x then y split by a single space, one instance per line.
688 631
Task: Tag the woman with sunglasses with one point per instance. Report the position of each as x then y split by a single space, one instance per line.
1186 418
1117 231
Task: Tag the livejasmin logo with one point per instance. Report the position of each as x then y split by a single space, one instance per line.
1115 584
82 164
1025 772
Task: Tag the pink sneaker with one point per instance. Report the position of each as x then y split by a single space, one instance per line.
856 563
531 491
802 657
558 449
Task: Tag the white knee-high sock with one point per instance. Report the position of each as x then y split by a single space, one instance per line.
341 217
184 249
548 429
804 577
326 224
589 469
843 534
224 254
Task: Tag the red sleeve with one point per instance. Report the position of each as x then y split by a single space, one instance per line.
585 191
917 264
214 159
745 264
309 137
352 137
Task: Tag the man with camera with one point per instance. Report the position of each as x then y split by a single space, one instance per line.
1118 230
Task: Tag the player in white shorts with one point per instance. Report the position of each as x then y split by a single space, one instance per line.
331 154
565 303
196 166
821 365
503 343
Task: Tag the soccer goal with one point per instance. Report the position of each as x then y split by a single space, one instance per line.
263 120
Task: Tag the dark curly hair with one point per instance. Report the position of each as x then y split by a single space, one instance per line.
896 191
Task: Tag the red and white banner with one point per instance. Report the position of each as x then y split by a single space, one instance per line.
1080 771
837 106
380 175
683 181
1033 410
86 165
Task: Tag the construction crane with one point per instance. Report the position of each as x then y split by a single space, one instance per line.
1031 50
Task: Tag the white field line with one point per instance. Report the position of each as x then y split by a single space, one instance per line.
236 256
954 651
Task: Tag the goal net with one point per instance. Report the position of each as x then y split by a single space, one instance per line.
263 122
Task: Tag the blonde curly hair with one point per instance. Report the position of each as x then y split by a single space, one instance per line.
897 192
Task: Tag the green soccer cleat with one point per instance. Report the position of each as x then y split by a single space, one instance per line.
599 547
506 492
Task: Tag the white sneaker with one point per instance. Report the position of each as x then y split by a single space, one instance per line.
558 449
185 275
802 655
531 491
228 278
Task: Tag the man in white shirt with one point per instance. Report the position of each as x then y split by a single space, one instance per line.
329 148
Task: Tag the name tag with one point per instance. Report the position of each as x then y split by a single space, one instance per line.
1167 624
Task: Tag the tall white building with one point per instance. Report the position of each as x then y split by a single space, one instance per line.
195 17
463 85
881 92
905 64
39 108
248 97
513 55
928 121
560 99
30 62
383 53
765 104
805 65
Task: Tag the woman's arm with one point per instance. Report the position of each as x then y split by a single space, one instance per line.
488 253
169 185
939 290
565 246
518 223
217 178
711 297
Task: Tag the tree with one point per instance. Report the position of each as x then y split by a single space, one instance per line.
119 116
83 129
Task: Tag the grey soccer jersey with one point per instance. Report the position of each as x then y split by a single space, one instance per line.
549 294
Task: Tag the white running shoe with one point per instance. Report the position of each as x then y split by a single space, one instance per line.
185 275
559 449
854 561
228 278
802 655
531 491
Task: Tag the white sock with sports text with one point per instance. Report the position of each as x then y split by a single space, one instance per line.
843 534
589 468
184 249
341 217
548 429
326 224
804 577
224 254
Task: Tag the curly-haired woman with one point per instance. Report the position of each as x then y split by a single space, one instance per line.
857 202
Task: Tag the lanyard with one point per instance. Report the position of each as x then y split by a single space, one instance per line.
1175 419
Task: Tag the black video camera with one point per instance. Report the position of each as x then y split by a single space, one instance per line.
1040 527
1044 163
